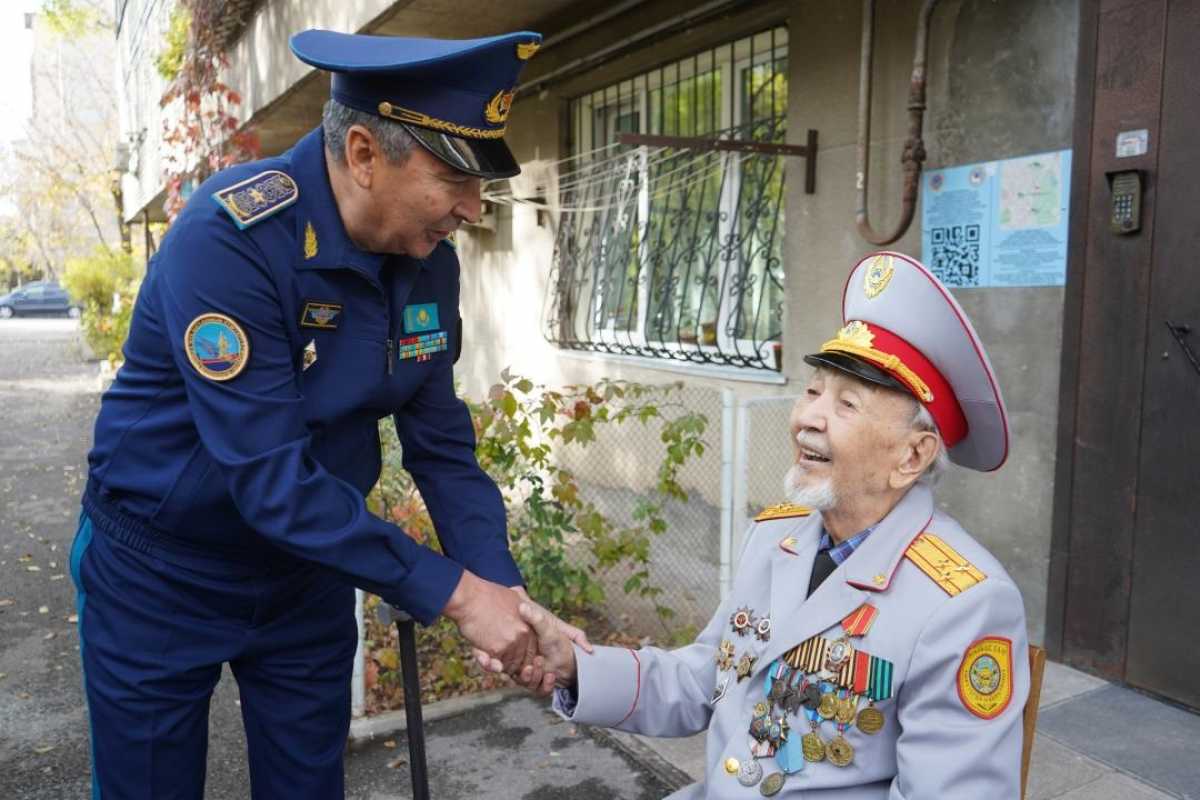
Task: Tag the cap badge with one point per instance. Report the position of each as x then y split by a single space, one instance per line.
879 274
498 108
526 50
856 333
310 241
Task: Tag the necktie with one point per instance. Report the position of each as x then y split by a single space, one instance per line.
823 565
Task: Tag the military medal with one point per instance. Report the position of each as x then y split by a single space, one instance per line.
870 720
840 752
749 773
719 691
762 631
745 666
725 655
813 746
828 705
772 784
742 621
732 765
846 706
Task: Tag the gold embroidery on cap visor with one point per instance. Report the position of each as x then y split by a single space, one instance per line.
856 339
526 51
411 117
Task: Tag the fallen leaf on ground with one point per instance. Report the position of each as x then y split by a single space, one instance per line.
73 619
6 602
58 577
23 695
53 565
44 610
24 558
49 636
43 749
389 744
398 761
34 569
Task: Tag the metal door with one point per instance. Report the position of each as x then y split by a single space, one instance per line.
1163 651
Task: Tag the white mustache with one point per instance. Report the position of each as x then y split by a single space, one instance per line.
812 442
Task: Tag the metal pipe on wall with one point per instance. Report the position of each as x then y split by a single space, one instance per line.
727 483
914 146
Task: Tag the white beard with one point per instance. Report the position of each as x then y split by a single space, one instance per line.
817 496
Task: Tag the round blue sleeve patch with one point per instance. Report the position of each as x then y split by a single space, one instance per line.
217 346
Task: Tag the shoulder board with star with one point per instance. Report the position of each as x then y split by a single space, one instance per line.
254 199
782 511
943 564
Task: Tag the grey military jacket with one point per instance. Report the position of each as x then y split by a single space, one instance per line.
952 727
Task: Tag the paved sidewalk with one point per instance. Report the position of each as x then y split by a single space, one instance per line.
1095 741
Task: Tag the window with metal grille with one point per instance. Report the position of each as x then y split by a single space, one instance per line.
672 248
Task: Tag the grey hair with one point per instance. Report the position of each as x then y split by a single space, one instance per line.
336 120
922 420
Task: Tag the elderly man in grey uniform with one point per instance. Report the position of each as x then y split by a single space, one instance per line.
869 647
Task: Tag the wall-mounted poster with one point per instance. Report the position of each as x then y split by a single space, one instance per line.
999 223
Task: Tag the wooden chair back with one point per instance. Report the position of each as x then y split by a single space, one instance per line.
1037 666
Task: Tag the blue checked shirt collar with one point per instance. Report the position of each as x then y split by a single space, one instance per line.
841 551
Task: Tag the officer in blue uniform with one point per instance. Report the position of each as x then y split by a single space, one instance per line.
294 303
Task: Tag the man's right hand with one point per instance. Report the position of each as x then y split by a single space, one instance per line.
556 648
487 616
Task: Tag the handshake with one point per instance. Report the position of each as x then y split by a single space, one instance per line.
514 635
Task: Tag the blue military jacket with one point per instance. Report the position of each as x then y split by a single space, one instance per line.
275 462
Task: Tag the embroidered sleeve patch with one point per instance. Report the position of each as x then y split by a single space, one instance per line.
257 198
985 677
217 346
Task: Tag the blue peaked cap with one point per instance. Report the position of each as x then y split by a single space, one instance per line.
453 95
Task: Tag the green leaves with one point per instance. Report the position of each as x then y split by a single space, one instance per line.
563 544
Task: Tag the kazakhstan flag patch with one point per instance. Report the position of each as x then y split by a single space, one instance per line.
420 318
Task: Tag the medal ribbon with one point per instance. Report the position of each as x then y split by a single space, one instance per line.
859 621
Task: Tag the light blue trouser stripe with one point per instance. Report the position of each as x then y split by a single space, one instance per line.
83 538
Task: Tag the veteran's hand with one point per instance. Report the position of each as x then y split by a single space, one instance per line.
555 640
487 615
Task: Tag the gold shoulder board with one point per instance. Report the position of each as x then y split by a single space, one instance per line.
257 198
943 564
782 511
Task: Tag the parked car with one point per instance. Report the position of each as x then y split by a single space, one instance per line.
38 297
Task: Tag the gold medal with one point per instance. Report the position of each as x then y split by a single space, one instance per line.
772 784
760 709
812 746
725 656
870 720
828 706
846 707
745 666
841 752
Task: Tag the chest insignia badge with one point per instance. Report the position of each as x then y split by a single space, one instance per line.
217 346
321 315
310 355
421 318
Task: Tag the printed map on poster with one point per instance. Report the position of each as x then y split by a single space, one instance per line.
1000 223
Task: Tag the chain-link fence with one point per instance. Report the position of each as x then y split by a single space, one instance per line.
619 469
740 473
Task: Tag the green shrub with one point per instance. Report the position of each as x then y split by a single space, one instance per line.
92 282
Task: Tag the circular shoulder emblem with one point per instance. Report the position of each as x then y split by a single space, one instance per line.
217 346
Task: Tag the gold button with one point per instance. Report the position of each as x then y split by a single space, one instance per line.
880 580
385 109
732 765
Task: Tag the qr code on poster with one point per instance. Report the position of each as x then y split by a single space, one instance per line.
954 254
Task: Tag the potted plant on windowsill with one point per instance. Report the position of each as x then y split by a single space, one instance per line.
708 333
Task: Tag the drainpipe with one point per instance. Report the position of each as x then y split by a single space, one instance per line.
914 147
358 679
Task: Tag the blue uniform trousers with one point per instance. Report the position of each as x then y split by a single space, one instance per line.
155 628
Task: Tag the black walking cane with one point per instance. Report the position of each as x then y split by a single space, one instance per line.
407 629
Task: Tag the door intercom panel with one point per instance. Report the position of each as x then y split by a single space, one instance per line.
1126 214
